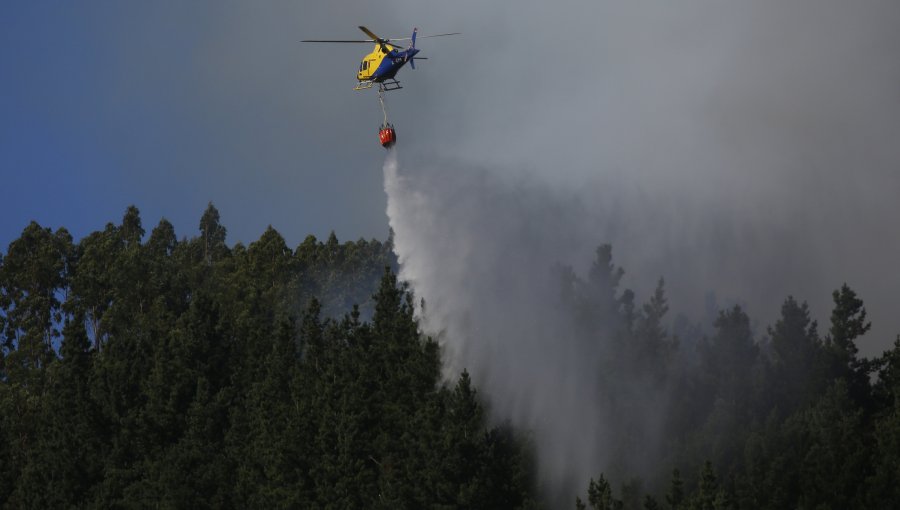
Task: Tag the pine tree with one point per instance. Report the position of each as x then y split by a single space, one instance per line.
732 355
654 351
835 460
798 353
848 322
64 461
704 498
273 452
212 235
881 484
675 496
600 495
33 276
131 229
92 282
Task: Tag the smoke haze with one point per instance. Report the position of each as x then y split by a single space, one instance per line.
485 280
743 151
487 260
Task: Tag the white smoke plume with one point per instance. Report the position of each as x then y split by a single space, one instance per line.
746 149
484 256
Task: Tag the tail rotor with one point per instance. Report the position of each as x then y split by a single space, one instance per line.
412 46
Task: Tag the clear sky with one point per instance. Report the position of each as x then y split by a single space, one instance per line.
744 147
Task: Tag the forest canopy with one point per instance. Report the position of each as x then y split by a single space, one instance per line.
142 370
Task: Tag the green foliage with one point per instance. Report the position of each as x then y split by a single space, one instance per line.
675 496
191 374
885 471
32 278
212 235
787 421
600 495
63 454
707 490
811 440
835 460
798 356
167 373
848 322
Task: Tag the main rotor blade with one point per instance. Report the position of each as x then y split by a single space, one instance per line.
370 33
421 36
440 35
374 38
369 41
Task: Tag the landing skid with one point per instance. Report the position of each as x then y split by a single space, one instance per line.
382 86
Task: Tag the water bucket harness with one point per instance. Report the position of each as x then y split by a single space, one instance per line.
381 100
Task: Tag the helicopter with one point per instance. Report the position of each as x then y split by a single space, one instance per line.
381 67
386 59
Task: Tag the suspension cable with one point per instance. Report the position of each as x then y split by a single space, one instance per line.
381 100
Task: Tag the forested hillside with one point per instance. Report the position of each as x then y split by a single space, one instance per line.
186 374
143 371
788 417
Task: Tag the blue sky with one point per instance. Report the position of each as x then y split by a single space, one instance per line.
170 105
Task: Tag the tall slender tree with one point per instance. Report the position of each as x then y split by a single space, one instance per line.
212 235
848 323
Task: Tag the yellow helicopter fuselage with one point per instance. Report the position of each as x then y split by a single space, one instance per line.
371 62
